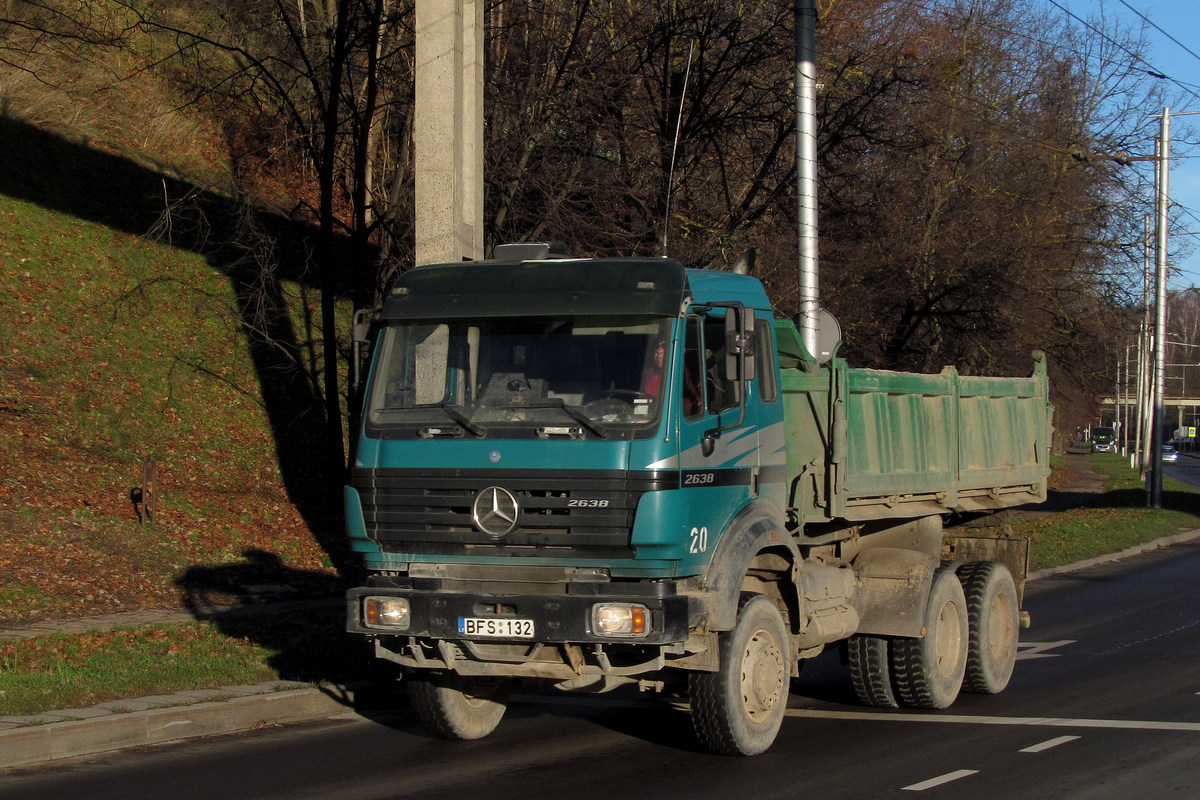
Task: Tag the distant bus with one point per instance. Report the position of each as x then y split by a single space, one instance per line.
1104 440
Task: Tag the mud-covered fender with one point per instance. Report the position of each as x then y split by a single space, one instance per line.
895 573
757 528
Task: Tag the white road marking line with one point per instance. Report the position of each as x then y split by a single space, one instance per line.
1026 650
1048 722
1046 745
938 781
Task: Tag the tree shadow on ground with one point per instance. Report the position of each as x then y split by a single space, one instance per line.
254 249
1185 502
297 614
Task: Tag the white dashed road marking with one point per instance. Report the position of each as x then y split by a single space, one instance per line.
939 780
1046 745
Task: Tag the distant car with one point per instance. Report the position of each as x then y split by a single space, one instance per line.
1104 440
1169 454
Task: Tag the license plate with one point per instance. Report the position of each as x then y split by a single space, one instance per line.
483 627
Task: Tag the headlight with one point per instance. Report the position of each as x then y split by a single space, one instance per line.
620 619
386 612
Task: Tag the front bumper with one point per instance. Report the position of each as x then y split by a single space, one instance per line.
557 618
563 648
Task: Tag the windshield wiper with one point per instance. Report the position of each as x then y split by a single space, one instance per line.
450 411
571 411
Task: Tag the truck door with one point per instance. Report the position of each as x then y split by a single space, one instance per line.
719 436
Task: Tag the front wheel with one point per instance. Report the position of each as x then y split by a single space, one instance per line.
451 706
738 709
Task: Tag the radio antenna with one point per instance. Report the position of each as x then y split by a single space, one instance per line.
675 148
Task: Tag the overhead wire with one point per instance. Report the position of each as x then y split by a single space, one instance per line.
1152 24
934 6
979 104
975 106
988 120
1149 69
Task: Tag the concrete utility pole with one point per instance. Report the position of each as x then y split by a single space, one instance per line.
448 131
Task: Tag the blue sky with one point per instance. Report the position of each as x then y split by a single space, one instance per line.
1179 20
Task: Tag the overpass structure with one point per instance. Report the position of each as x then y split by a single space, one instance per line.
1181 402
1180 413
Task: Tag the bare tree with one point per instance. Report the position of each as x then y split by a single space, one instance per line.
327 75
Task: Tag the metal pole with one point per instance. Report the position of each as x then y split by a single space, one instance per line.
1143 437
806 168
1122 403
1160 327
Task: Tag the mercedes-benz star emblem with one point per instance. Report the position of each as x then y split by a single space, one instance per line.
495 511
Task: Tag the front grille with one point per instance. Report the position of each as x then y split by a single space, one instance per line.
565 513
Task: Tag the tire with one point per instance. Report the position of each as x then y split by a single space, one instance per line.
993 616
738 709
870 672
928 672
451 706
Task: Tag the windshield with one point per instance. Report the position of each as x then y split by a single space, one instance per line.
586 376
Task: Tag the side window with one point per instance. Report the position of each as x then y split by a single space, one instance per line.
693 370
721 388
764 357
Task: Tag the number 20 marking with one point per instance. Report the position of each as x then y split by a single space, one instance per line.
699 540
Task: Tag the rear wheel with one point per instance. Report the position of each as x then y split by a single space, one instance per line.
738 709
994 619
451 706
870 672
928 672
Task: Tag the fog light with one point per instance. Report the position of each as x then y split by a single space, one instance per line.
620 619
386 612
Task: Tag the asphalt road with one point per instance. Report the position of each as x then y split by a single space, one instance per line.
1105 703
1186 469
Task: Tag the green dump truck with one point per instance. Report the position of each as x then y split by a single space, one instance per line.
598 472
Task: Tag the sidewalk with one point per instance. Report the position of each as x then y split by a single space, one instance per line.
161 719
165 718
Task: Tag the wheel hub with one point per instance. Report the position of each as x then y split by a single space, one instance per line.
762 675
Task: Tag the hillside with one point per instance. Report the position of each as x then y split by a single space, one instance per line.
116 348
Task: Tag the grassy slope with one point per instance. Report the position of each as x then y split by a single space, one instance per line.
116 351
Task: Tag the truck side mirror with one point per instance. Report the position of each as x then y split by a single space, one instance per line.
739 344
361 330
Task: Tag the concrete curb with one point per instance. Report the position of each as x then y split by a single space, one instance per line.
172 718
1157 544
81 732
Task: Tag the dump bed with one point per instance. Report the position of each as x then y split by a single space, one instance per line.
872 444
